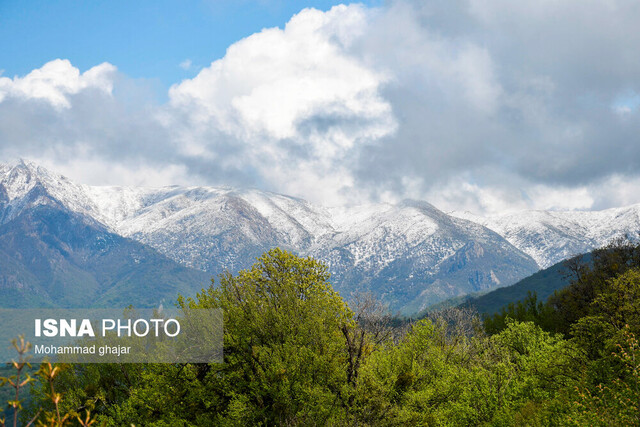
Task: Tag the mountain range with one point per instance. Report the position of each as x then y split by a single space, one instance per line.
63 243
552 236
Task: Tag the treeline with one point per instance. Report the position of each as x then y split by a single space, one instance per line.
295 354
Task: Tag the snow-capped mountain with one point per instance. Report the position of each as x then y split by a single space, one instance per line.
52 254
411 254
552 236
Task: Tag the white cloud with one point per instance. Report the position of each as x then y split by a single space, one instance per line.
493 199
92 171
484 105
296 89
459 194
270 82
186 64
616 190
56 80
456 71
546 197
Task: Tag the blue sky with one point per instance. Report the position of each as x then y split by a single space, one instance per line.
144 39
480 105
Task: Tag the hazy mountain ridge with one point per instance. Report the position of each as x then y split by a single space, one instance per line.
411 254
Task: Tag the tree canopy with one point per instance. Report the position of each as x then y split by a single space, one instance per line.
296 354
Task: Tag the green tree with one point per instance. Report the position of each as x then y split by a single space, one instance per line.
284 347
410 383
528 310
286 358
613 313
617 401
575 301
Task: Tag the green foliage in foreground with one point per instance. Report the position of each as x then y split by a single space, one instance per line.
296 354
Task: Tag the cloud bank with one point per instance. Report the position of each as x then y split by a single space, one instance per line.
481 105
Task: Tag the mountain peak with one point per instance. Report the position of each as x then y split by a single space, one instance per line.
20 164
419 204
23 183
19 177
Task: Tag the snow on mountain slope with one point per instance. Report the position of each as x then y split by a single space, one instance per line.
551 236
24 184
411 253
152 214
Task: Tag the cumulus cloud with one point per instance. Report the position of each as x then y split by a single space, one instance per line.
295 104
61 117
481 105
546 73
56 81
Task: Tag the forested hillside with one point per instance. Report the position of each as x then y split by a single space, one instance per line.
296 354
543 284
